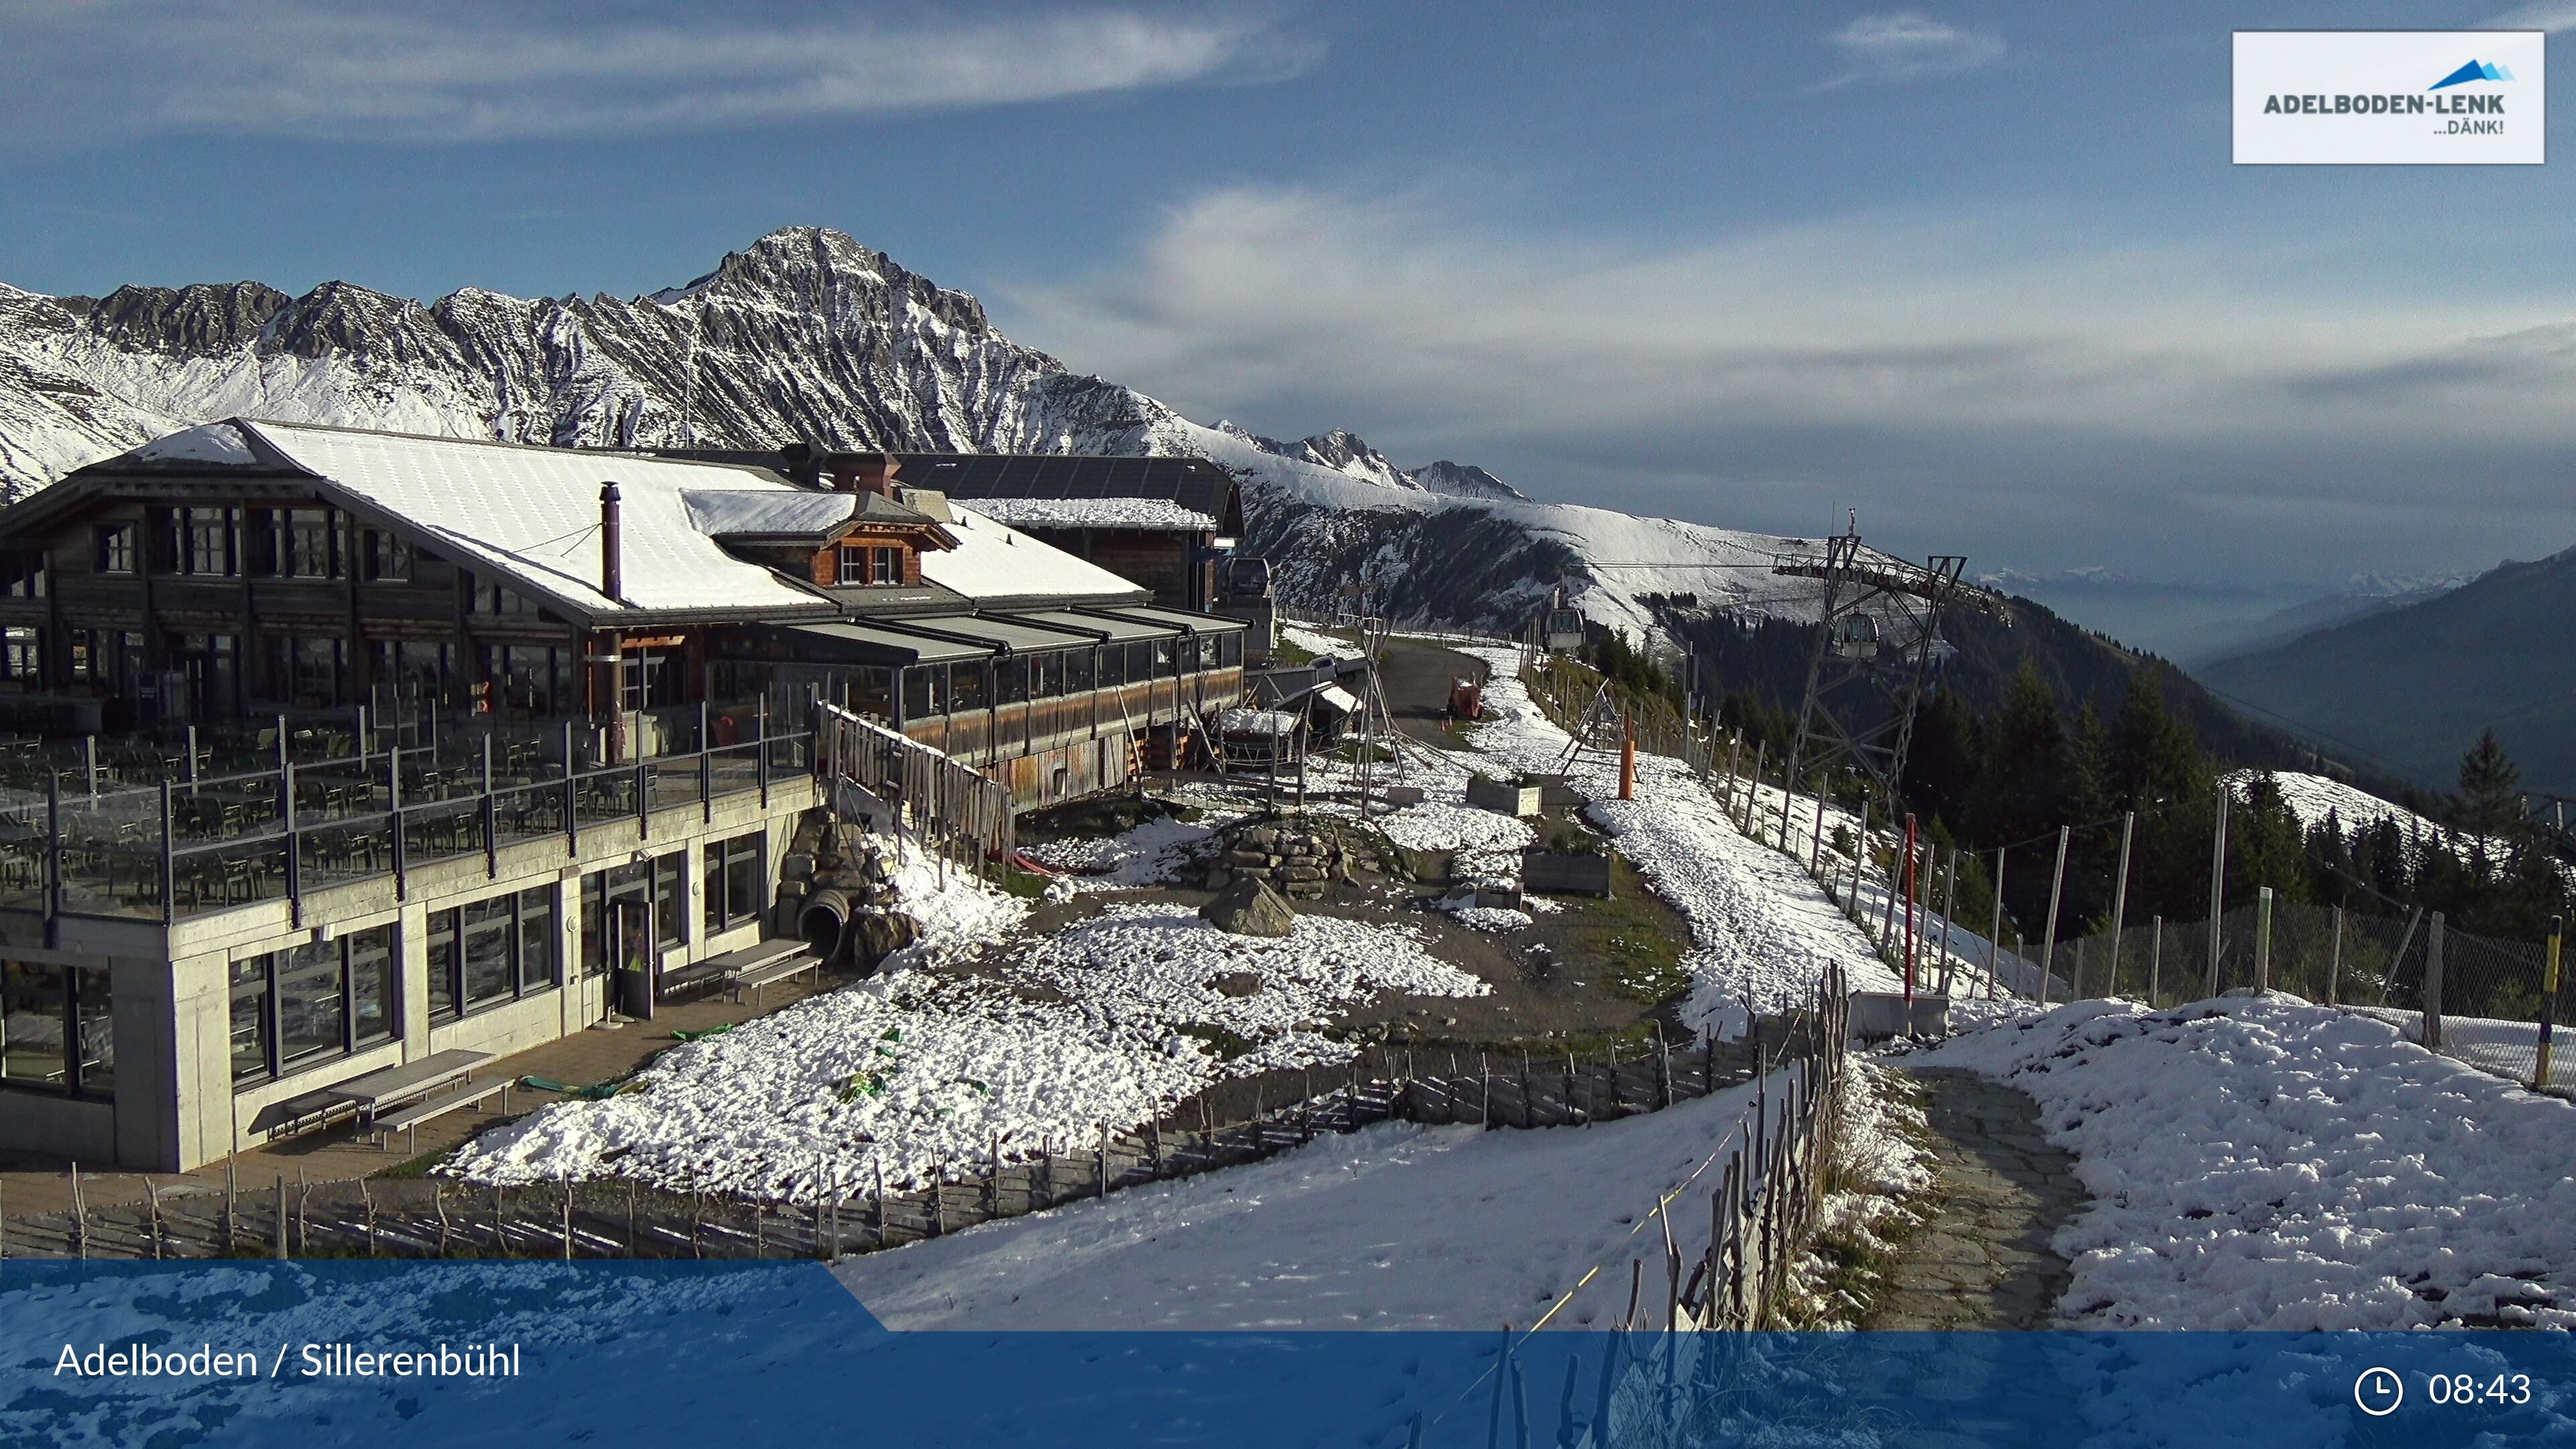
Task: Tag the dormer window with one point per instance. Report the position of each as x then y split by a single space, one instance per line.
870 566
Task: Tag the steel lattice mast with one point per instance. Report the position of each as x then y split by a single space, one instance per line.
1857 671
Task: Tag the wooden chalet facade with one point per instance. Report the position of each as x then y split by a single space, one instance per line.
337 752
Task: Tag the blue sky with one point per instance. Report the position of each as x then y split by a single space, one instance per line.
1982 271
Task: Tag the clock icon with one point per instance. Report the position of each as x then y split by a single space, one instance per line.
2378 1391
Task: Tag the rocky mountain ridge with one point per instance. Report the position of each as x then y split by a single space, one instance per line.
806 334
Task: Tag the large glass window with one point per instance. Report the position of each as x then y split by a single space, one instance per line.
972 688
414 671
34 1005
488 932
313 1003
205 541
56 1030
494 950
1229 649
1010 679
733 881
670 899
1046 674
383 556
651 678
304 543
530 679
872 692
305 669
250 1017
1077 671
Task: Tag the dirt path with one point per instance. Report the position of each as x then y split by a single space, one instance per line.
1984 1260
1417 677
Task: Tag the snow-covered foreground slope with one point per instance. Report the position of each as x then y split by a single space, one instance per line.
1394 1226
2271 1164
913 1068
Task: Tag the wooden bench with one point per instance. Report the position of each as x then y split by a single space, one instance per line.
727 968
773 972
397 1085
295 1114
407 1120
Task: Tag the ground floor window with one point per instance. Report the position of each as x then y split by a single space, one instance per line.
56 1029
491 951
733 881
659 884
314 1002
21 656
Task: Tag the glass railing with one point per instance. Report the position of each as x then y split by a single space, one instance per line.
174 849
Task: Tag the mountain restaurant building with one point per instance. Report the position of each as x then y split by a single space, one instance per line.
328 751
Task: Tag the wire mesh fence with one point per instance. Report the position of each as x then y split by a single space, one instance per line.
2476 998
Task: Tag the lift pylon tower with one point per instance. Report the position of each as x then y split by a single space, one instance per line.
1876 647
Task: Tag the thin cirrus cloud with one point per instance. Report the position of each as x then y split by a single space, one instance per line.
1904 45
2039 387
2552 15
479 72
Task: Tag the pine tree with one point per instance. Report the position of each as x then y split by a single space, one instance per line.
2490 789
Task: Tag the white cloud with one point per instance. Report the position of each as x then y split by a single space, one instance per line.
2552 15
1904 45
499 72
2041 389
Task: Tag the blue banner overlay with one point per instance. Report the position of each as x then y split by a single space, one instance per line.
733 1355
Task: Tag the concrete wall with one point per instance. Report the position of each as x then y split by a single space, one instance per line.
175 1107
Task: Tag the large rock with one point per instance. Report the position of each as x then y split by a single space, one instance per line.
875 937
1250 908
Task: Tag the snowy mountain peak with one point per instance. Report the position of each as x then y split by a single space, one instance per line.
806 335
1462 480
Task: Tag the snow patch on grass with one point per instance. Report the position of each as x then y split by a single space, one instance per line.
2264 1164
1110 1023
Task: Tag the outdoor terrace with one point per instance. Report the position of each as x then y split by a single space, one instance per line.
85 837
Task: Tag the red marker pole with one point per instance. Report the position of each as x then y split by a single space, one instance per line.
1909 910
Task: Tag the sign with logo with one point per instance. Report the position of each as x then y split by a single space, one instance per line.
2390 97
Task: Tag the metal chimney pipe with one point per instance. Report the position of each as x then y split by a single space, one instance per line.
612 563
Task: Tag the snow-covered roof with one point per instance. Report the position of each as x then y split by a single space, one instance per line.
1258 722
532 514
1157 515
219 443
796 513
995 562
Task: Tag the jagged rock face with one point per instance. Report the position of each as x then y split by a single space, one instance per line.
804 335
1462 480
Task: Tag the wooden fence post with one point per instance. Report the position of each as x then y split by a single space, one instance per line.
2433 984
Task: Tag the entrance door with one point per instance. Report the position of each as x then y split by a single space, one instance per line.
637 964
